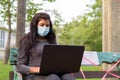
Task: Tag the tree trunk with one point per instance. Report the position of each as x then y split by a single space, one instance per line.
7 50
21 15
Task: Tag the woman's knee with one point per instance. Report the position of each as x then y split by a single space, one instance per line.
68 77
52 77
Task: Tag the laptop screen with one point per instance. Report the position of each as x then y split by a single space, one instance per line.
60 59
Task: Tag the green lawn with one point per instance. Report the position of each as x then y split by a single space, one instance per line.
90 68
4 71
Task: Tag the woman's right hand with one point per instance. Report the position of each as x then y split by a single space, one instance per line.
34 69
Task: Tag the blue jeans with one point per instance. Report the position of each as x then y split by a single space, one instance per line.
49 77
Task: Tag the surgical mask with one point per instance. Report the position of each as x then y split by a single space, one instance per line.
43 31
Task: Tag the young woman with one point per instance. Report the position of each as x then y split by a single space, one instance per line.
31 46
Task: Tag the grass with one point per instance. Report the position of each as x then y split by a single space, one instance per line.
4 71
90 68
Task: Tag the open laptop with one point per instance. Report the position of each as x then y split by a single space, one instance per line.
60 59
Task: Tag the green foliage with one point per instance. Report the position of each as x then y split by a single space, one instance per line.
57 21
49 0
85 30
57 17
32 8
5 6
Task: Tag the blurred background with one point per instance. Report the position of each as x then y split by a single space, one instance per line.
76 22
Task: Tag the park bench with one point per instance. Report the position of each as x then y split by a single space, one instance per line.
107 57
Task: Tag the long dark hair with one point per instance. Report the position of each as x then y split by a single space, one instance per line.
28 40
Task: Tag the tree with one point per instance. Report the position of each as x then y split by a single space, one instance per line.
31 9
21 16
85 30
6 14
95 25
57 22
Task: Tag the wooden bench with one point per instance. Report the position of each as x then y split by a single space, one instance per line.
13 75
88 74
96 74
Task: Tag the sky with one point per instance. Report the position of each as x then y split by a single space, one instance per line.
68 8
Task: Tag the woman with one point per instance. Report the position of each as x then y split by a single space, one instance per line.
31 46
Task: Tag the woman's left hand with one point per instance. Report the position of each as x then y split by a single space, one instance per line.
34 69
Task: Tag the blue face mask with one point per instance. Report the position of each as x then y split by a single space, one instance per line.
43 31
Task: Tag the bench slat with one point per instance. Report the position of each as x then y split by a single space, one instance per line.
96 74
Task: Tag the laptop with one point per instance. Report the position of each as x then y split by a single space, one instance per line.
60 59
